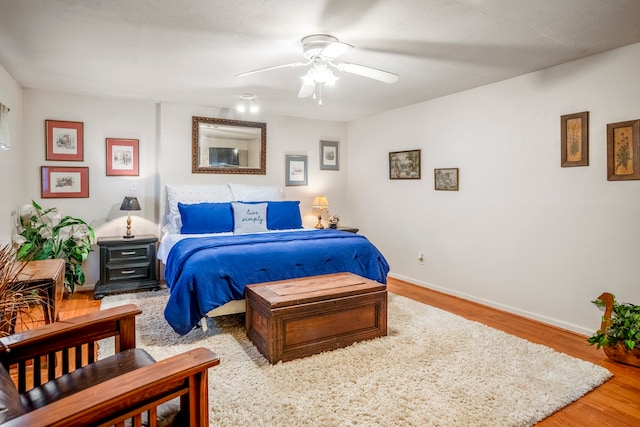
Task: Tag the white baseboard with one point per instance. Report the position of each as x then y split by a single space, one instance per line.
529 315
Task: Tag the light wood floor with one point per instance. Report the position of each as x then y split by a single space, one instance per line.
615 403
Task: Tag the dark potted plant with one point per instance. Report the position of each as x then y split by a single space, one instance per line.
16 296
45 234
619 333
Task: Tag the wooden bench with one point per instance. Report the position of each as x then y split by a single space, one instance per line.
296 318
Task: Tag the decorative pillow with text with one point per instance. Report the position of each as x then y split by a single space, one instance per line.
249 217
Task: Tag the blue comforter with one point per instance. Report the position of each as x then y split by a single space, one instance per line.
205 273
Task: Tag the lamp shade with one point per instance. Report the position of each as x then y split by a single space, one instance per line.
130 204
320 202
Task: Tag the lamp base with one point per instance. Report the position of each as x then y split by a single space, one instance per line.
128 235
319 225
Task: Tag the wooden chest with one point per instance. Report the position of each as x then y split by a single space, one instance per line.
295 318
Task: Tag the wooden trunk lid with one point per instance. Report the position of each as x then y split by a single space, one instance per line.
305 290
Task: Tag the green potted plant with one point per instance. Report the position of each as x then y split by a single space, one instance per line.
45 234
619 333
16 297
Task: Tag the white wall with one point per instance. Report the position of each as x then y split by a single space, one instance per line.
102 118
285 135
522 234
10 160
164 132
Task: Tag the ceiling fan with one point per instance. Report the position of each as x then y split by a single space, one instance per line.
319 51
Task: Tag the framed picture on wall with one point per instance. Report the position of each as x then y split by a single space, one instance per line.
404 164
623 151
446 179
296 170
329 156
574 139
64 182
122 157
64 140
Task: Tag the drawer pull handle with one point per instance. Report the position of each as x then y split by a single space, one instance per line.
128 253
127 271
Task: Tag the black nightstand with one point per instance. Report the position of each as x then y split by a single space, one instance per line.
345 228
126 265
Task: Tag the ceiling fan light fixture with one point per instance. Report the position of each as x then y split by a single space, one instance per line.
308 79
322 74
331 80
319 73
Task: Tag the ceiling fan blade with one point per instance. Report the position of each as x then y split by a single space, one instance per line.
306 90
372 73
334 50
295 64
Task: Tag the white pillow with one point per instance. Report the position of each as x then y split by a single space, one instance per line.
255 193
190 194
249 217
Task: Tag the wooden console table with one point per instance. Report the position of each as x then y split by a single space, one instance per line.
46 276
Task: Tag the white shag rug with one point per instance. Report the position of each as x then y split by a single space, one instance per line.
433 369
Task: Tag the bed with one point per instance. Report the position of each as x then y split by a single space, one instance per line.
227 240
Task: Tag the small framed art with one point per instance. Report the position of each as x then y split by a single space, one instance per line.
404 164
329 156
64 140
64 182
446 179
122 157
623 151
296 170
574 139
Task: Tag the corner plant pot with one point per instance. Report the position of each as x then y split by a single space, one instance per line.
617 352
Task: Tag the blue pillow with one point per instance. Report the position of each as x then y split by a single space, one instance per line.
206 218
283 215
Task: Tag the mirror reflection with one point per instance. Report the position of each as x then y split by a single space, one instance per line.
228 146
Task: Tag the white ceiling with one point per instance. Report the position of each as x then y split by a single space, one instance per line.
189 51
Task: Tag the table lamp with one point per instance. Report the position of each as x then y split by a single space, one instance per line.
321 203
129 204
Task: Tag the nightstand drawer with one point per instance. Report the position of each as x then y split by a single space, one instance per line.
128 272
128 254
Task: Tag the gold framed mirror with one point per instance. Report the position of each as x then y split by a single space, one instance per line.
228 146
